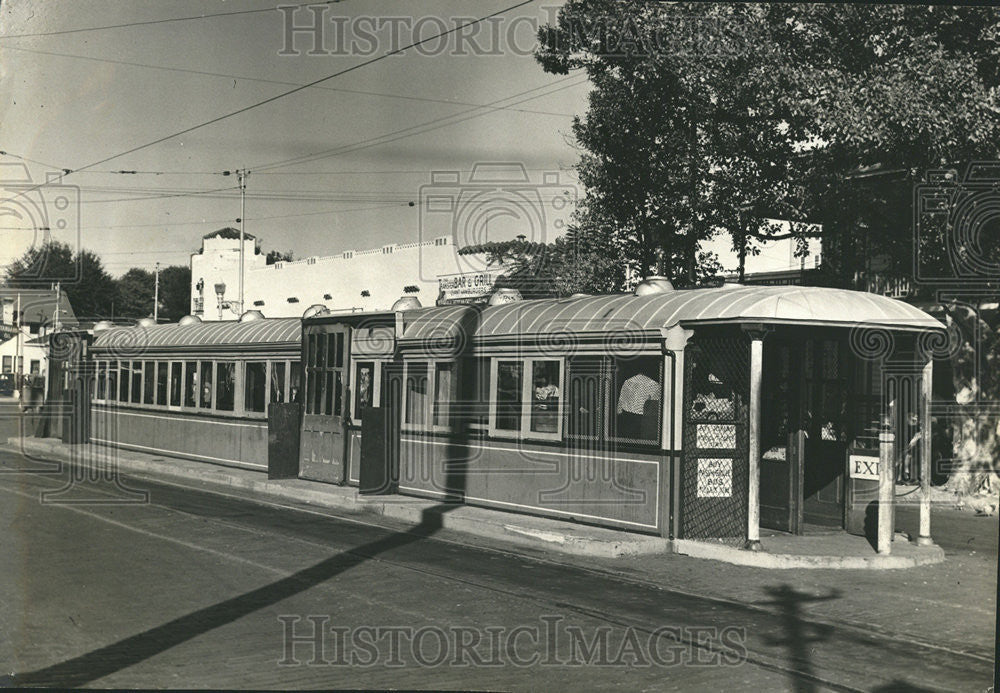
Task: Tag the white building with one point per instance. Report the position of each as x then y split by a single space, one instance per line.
366 280
24 336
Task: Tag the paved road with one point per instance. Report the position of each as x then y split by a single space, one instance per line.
196 589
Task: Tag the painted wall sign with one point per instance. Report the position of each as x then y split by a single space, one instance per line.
466 288
715 478
716 436
863 466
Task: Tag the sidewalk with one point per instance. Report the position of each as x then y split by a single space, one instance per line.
837 551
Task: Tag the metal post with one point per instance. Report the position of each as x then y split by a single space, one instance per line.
886 470
927 382
156 296
753 488
242 175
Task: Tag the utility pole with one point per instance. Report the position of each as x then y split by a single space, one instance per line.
156 296
55 313
19 351
241 175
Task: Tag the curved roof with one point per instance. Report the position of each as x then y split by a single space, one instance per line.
789 305
268 332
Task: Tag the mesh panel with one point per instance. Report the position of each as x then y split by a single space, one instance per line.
715 470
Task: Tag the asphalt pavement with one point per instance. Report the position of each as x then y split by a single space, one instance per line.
201 589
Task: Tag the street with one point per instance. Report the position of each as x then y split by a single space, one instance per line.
197 589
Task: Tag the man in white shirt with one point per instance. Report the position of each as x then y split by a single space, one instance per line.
635 392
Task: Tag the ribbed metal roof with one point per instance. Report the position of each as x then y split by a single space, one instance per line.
278 331
802 305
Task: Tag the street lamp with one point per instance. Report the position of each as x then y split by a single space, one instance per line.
220 291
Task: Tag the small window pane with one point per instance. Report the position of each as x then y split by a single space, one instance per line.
112 380
311 350
311 389
339 351
328 391
321 346
338 393
294 381
638 388
123 383
191 384
442 393
225 385
546 393
175 383
510 375
364 381
277 381
255 386
161 383
206 385
136 382
149 382
102 379
416 392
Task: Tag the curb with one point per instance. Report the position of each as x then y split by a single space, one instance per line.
521 530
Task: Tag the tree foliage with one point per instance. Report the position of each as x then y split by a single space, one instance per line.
81 275
175 292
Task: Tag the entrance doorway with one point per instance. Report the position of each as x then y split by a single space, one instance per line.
325 368
825 418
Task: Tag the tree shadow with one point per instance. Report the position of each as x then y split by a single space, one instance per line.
92 666
799 635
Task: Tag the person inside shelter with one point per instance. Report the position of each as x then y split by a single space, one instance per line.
638 402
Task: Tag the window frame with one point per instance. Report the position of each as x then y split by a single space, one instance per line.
527 383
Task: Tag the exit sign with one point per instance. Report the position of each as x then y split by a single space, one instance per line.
863 466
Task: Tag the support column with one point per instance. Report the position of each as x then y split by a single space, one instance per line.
675 339
886 471
926 391
753 488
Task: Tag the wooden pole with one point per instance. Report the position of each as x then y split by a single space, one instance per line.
886 470
924 537
753 488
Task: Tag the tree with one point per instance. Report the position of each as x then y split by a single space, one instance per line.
134 294
81 275
274 256
175 292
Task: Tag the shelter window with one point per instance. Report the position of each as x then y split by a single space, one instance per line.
191 383
294 380
587 397
546 396
364 387
205 398
277 382
416 393
102 380
444 384
255 386
225 385
123 382
161 383
176 378
637 385
509 393
136 397
148 382
112 380
528 397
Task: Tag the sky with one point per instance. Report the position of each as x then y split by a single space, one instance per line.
333 167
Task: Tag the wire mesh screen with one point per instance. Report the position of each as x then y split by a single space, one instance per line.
715 470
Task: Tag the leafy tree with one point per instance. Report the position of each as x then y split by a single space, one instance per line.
134 294
274 256
89 288
175 292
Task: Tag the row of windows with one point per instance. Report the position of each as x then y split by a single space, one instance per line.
10 364
599 399
224 385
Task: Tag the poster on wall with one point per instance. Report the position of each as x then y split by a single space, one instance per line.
715 477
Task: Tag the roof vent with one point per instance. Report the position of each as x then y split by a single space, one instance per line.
251 315
189 320
502 296
314 310
147 322
578 295
406 303
102 325
653 285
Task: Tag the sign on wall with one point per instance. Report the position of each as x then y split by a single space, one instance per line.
863 466
715 477
474 287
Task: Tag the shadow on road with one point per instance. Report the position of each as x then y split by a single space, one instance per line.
128 652
800 636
